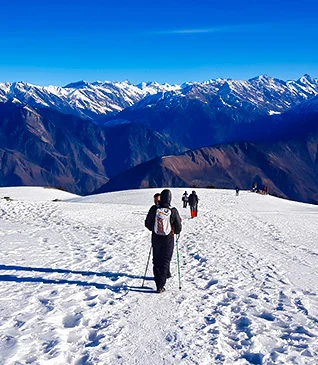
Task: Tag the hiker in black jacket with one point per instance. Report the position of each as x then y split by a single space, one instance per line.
156 201
164 222
193 202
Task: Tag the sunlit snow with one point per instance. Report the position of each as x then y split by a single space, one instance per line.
72 272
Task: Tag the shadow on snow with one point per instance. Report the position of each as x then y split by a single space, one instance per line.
111 275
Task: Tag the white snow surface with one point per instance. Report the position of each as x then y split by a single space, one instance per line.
71 281
36 193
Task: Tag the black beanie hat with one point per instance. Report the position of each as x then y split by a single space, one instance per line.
165 197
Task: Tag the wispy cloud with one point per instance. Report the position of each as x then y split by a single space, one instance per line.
225 29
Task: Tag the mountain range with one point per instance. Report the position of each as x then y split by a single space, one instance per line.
45 147
219 111
82 99
104 136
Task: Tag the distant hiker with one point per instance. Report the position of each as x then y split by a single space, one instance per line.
237 189
185 199
164 222
193 202
156 199
265 189
254 187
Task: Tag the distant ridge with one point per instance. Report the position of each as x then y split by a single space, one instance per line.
81 135
98 99
288 166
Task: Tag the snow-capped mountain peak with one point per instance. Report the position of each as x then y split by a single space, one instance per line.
81 98
99 98
77 85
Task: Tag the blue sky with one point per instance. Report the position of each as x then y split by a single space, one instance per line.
167 41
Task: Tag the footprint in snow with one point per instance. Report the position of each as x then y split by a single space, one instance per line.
171 337
104 323
94 339
72 320
47 304
18 323
253 358
267 316
84 360
211 283
299 305
90 296
49 347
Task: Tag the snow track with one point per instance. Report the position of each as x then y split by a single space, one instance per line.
71 276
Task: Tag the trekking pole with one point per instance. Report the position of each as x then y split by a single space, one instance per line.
178 259
147 266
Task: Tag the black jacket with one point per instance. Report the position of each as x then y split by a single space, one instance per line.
175 220
193 200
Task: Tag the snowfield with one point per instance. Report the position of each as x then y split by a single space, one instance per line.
71 275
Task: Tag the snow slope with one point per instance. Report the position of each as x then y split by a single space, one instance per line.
71 275
32 193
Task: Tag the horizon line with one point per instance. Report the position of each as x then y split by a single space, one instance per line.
153 81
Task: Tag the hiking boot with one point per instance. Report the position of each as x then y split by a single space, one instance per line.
161 290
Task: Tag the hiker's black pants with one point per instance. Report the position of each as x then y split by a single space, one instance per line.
194 210
162 253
